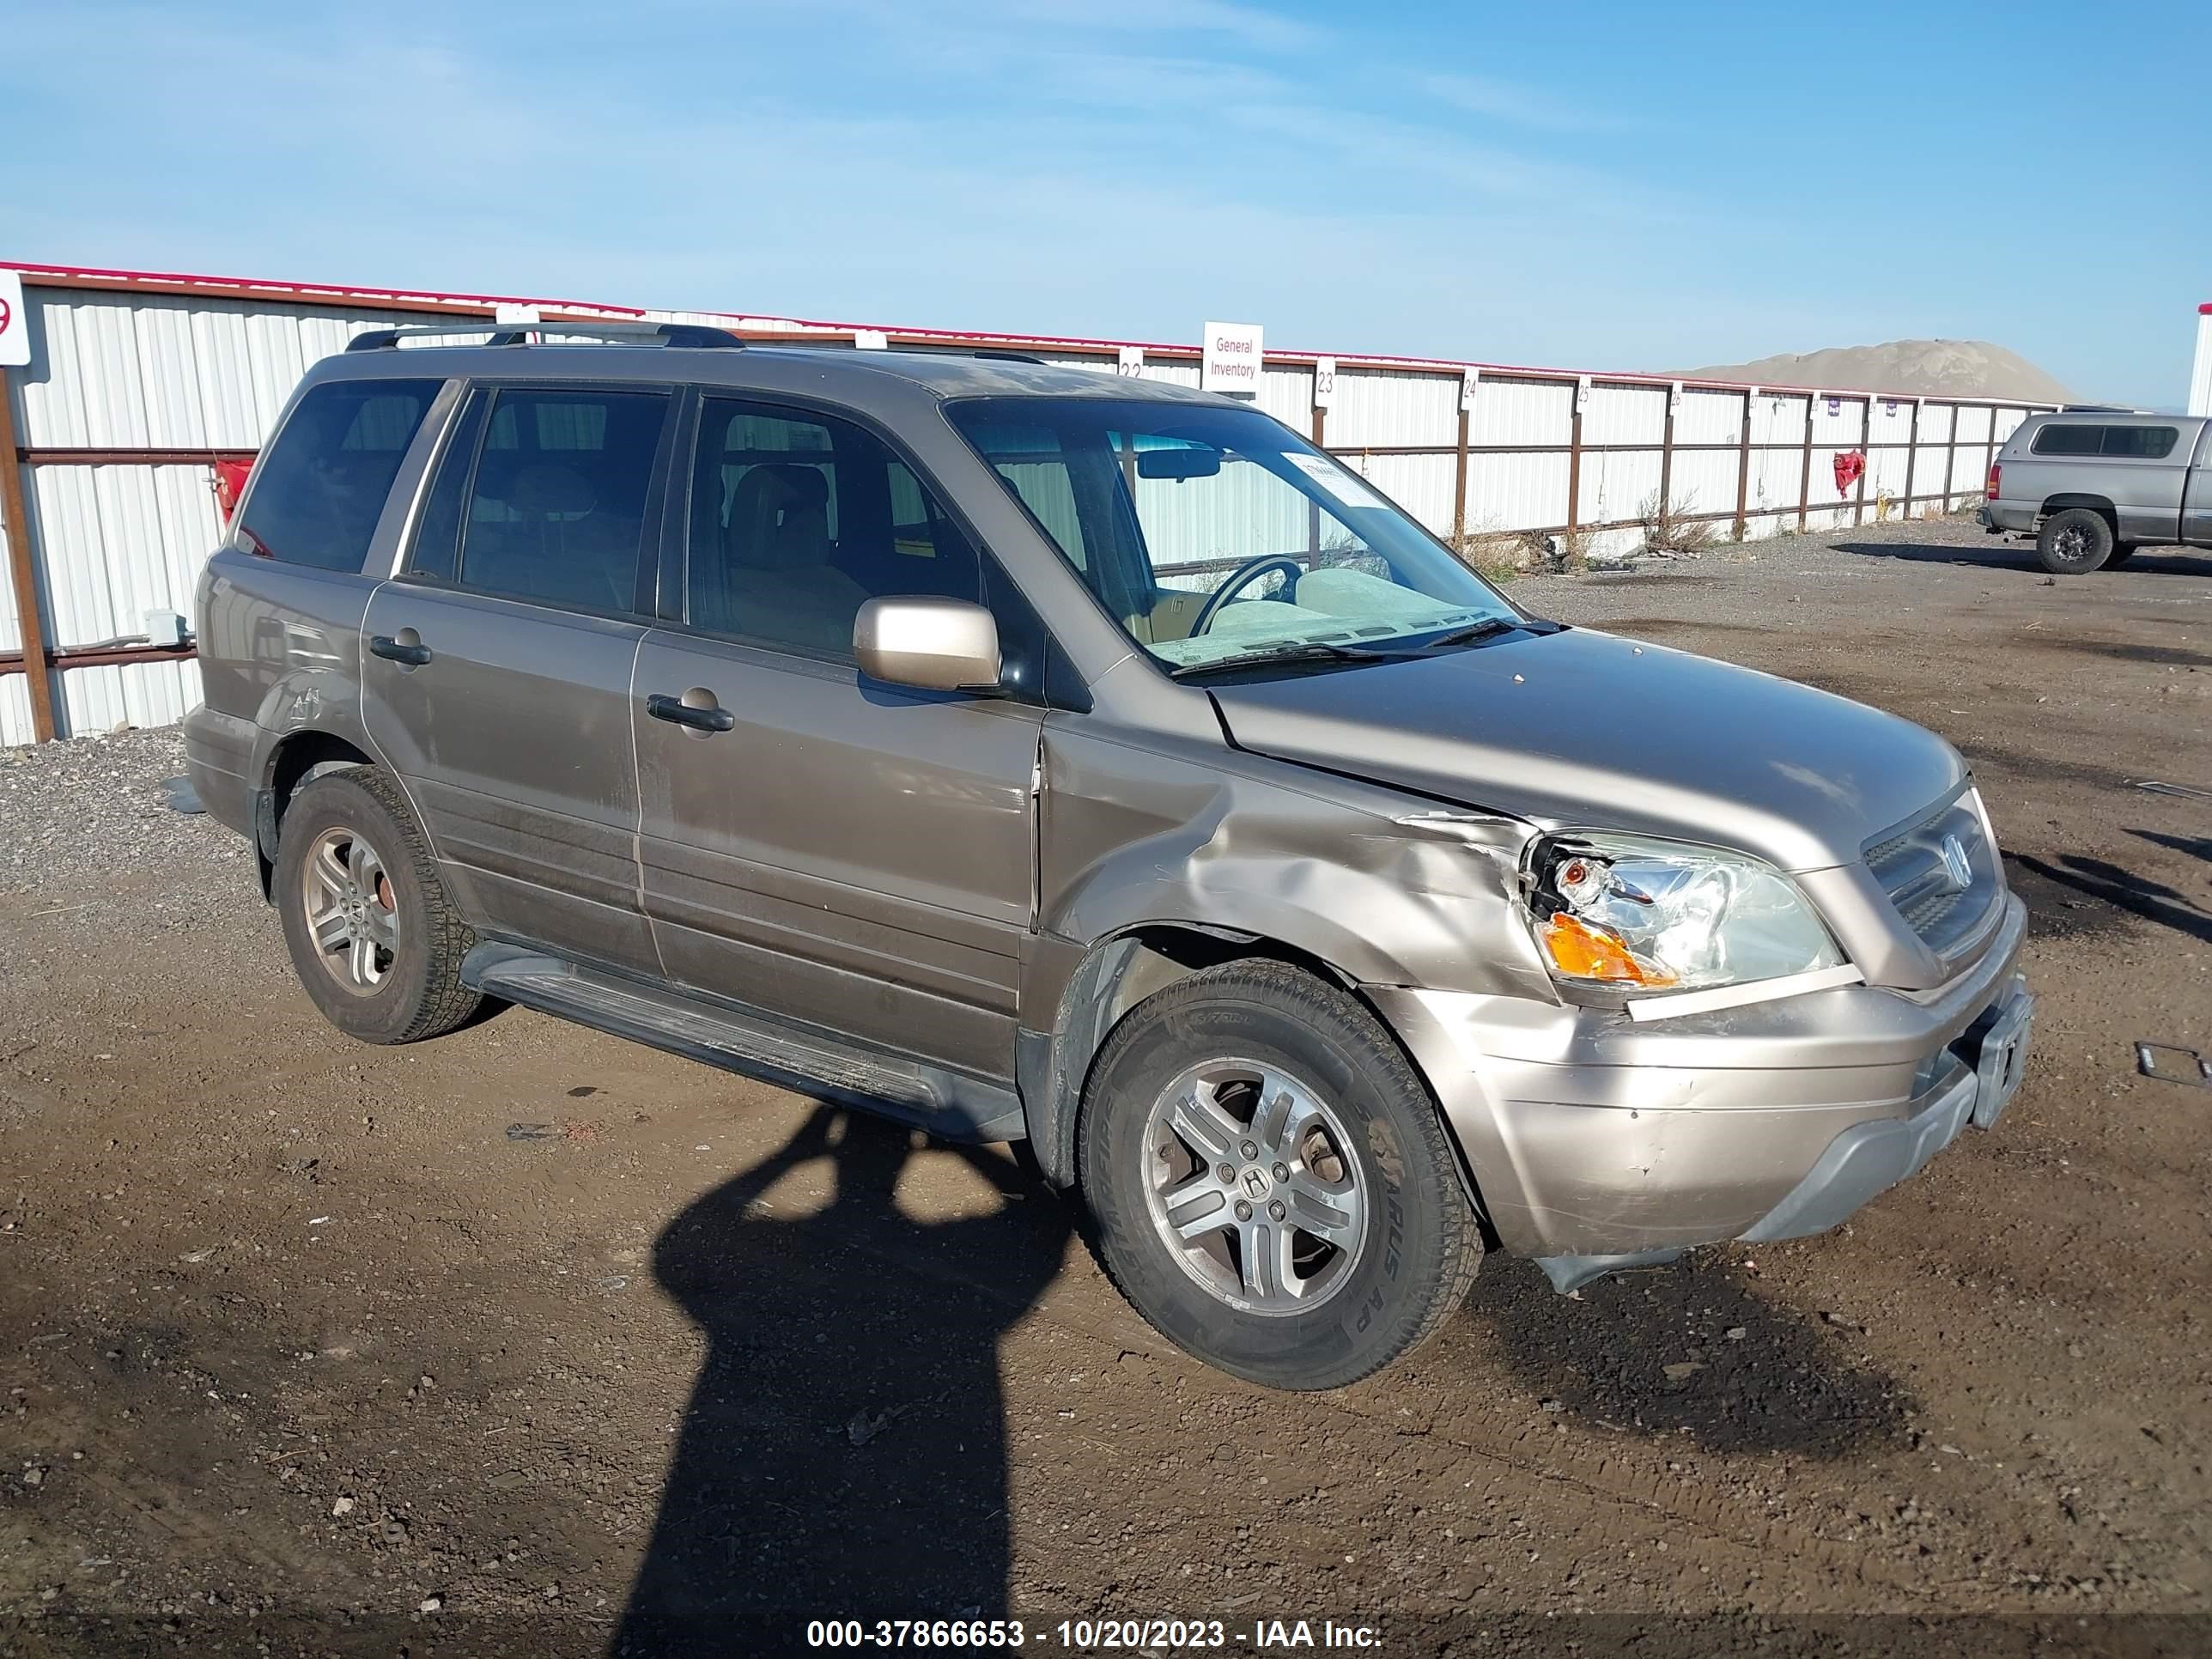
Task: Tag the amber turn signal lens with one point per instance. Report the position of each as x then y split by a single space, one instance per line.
1581 952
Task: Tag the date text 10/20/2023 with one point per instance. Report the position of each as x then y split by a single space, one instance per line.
1095 1635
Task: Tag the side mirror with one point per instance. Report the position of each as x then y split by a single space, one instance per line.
930 644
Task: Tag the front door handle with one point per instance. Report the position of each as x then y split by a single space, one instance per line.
413 653
709 718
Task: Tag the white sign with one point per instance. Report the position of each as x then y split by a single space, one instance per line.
1582 391
515 313
15 323
1131 362
1470 380
1231 360
870 339
1324 382
1675 398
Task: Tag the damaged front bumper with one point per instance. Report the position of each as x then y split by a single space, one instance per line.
1598 1143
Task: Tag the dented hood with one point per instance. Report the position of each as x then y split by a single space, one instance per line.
1587 729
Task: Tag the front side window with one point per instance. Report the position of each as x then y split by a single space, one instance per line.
322 485
799 519
555 508
1217 537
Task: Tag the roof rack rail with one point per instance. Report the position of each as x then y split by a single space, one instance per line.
927 348
506 334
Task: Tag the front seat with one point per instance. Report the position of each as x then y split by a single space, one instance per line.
777 581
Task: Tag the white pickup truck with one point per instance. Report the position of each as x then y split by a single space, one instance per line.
2092 486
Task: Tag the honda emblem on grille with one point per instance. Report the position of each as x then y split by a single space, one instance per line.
1961 872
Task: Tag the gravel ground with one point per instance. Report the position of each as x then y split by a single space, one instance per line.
527 1341
77 810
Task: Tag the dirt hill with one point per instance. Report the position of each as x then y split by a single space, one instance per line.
1958 368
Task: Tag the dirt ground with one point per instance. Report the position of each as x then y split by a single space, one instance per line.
528 1341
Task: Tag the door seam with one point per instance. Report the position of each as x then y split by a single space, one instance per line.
637 819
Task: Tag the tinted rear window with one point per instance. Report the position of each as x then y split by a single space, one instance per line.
322 486
2069 441
555 510
2149 443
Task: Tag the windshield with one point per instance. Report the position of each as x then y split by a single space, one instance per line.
1217 535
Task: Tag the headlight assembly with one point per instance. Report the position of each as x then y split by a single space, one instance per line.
1627 912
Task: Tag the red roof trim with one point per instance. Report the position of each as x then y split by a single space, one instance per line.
339 290
331 291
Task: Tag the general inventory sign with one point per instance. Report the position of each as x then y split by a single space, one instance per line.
14 322
1232 359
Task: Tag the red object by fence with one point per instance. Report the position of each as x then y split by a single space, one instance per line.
1851 466
229 483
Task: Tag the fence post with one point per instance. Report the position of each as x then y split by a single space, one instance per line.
1459 488
1667 464
1575 461
1866 455
1913 458
37 667
1951 461
1805 476
1743 471
1313 507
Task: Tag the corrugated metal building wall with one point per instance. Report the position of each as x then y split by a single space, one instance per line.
138 383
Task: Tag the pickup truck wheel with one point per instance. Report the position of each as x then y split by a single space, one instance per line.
2074 542
376 944
1272 1187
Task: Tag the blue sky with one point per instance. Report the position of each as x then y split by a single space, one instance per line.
1594 185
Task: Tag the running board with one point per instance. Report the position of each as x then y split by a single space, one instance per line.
945 1103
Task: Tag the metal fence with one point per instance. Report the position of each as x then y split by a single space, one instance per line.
139 384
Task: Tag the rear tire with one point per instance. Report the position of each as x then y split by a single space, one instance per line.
2075 542
1290 1086
377 944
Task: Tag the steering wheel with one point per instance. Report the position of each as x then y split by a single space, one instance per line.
1242 578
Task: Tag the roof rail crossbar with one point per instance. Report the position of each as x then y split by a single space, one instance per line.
505 334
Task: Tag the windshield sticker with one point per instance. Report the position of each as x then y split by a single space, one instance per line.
1347 487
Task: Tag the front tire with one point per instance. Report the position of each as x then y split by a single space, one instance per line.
2074 542
377 944
1273 1189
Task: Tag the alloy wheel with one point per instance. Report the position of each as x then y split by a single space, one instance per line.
353 915
1251 1182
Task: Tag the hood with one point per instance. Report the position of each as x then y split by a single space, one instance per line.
1586 729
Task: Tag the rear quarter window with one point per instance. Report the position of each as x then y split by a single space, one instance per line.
323 484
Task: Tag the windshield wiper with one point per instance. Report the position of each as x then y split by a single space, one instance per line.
1483 629
1311 650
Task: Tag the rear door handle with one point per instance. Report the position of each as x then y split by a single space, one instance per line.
677 712
383 645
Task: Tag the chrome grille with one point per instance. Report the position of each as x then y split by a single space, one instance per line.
1920 868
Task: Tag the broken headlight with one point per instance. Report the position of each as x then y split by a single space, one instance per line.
1628 913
